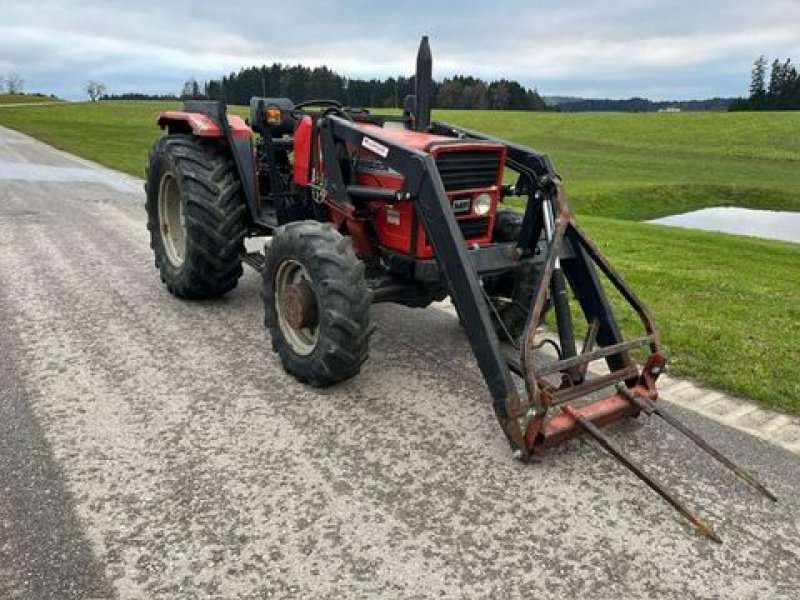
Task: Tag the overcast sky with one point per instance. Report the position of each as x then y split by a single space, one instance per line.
661 49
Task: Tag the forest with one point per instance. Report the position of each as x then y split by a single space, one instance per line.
779 91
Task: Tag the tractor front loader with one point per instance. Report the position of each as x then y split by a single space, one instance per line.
364 208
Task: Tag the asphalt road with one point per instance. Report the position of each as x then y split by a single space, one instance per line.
154 448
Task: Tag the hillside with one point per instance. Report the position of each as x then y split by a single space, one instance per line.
26 99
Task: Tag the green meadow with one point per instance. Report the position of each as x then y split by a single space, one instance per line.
648 165
728 307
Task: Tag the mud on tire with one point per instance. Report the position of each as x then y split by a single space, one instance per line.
195 214
331 339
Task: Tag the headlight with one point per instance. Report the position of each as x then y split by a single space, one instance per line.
482 204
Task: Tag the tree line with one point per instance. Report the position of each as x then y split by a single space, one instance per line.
303 83
782 92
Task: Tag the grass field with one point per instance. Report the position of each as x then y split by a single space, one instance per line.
643 166
728 306
25 99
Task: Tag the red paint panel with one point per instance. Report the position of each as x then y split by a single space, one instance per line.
561 427
406 137
202 125
302 151
393 223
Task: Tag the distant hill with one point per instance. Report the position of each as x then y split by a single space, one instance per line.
576 104
26 98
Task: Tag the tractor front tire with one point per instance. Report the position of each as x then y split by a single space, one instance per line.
316 303
196 216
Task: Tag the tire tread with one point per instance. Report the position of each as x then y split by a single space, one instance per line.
345 299
214 215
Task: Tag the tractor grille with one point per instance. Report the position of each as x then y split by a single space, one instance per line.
467 170
473 228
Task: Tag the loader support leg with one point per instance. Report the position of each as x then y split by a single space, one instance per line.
566 334
558 291
242 150
593 301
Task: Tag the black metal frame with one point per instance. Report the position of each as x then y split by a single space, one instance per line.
569 260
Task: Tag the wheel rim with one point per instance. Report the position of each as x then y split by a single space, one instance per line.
298 325
171 220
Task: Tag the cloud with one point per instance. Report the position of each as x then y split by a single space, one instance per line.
661 48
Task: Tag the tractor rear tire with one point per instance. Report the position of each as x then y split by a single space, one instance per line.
511 295
196 216
316 303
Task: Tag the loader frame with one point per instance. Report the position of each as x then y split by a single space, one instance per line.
548 416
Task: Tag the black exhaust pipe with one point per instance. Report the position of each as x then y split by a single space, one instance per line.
423 83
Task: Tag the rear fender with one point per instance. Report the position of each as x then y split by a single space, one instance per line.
201 124
210 120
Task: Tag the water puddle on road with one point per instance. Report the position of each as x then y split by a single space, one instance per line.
768 224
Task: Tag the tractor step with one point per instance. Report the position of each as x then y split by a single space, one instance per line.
254 259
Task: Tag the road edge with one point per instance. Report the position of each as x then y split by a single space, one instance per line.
136 184
747 416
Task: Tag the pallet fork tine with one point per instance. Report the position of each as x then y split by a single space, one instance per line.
595 432
651 409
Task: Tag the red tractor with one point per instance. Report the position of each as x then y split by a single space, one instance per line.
363 208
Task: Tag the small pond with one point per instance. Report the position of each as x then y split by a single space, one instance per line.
770 224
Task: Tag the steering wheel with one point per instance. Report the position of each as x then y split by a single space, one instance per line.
330 107
339 112
318 102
